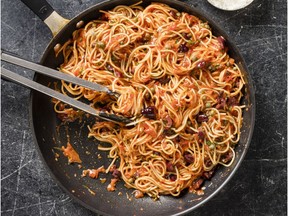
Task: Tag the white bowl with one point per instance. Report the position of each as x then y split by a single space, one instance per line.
230 5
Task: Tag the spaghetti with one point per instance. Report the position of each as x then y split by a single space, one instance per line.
175 80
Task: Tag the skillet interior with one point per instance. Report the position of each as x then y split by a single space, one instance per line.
47 136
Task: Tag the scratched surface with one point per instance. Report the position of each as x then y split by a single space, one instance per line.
260 185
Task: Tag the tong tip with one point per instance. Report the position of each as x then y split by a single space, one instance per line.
114 118
113 93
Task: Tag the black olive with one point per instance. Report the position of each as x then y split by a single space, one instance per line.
201 64
170 167
188 130
172 177
189 158
202 118
173 14
183 48
164 80
186 35
201 135
110 68
149 112
178 138
116 174
168 132
221 41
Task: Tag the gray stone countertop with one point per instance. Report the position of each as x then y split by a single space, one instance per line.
260 185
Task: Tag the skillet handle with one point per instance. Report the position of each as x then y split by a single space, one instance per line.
46 13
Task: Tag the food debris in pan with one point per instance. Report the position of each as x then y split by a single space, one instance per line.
93 173
71 154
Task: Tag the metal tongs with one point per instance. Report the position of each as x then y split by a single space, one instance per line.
16 78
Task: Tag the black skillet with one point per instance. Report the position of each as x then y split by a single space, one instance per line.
49 136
